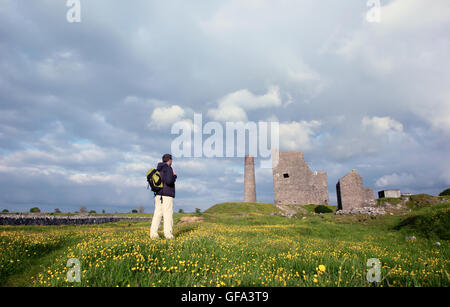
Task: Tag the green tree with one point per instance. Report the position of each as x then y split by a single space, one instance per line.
181 211
5 211
445 192
35 210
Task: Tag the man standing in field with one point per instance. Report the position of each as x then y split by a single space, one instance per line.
164 199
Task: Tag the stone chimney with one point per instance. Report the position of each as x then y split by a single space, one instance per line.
249 180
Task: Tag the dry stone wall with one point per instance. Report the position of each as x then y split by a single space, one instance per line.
62 220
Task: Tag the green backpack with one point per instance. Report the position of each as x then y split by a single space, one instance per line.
154 180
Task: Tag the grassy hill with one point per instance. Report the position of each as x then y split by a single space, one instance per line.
254 209
238 244
431 222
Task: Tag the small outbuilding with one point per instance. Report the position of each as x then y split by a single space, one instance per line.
389 194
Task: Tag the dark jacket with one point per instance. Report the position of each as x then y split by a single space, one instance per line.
168 179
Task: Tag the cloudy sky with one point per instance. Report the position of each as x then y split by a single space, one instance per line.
87 108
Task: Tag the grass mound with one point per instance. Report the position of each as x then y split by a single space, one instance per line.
422 200
431 222
322 209
311 208
241 209
389 200
445 193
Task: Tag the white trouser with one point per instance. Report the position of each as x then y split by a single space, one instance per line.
164 209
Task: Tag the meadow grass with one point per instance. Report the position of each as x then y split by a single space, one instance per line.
236 245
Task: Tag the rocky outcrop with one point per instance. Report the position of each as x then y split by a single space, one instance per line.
289 210
362 210
63 220
191 219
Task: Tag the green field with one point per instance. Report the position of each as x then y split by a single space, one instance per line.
238 244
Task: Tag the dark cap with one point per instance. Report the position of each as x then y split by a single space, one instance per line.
167 157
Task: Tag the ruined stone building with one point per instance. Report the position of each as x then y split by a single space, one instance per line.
390 194
295 183
352 194
249 180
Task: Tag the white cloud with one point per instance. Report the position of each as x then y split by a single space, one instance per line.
310 82
89 179
165 116
60 64
233 106
415 14
77 154
239 180
445 172
407 54
230 113
114 179
395 180
380 125
437 114
195 186
297 135
192 166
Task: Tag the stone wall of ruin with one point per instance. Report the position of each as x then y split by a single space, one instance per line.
295 183
352 194
31 219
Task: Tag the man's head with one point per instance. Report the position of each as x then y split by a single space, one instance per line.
167 158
